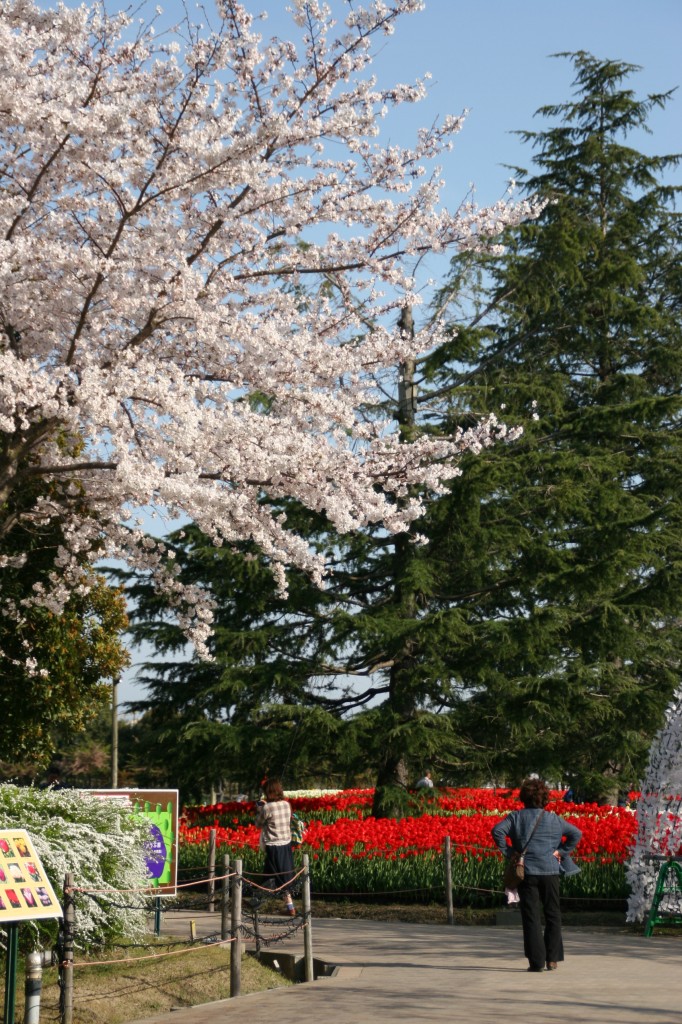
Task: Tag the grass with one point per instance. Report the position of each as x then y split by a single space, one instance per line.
116 993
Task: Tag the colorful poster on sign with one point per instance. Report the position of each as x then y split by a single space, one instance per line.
25 892
160 808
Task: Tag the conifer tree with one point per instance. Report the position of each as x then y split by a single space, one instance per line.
574 534
537 630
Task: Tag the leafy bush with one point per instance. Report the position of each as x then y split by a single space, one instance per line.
101 843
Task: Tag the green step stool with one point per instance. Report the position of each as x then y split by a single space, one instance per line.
668 883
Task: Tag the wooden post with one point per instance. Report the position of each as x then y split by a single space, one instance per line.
235 931
308 921
211 870
66 965
225 899
157 916
256 930
447 857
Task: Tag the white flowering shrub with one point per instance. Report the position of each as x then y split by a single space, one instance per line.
659 813
100 842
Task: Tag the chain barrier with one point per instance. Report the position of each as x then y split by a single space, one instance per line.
202 903
211 940
300 922
251 893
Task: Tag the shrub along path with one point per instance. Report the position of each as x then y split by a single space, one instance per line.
399 971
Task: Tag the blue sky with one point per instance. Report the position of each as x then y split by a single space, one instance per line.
493 57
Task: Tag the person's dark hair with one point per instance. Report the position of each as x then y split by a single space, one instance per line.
273 791
533 793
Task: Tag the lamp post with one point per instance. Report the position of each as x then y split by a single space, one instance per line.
114 734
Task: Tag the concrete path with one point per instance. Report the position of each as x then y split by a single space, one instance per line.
462 975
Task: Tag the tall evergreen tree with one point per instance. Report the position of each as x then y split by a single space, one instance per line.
251 710
537 629
575 535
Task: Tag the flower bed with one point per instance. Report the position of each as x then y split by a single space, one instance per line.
354 854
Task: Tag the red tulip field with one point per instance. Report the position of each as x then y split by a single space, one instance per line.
353 854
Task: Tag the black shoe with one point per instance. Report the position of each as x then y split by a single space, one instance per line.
535 970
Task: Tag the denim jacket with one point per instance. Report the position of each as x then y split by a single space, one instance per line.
552 833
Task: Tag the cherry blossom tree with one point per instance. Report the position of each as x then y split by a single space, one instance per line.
204 246
659 816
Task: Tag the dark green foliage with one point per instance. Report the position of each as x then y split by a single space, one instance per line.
252 710
538 630
573 535
75 651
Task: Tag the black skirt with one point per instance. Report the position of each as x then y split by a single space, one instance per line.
279 864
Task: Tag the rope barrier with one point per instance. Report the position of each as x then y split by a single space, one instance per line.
272 889
456 885
152 956
151 890
378 892
249 880
265 874
146 945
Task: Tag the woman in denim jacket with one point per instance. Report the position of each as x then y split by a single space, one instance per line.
547 855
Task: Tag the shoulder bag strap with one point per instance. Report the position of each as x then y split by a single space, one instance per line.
537 822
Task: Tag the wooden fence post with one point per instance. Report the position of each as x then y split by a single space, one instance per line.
225 899
211 870
447 857
66 958
236 933
308 921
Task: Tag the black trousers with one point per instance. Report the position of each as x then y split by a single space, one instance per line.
540 893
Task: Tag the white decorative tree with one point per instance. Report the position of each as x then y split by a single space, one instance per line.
203 249
659 815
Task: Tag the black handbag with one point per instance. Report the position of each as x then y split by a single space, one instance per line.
514 869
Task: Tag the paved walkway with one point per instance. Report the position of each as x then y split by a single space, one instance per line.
463 975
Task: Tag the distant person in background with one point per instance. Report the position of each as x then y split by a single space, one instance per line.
426 782
549 839
273 815
52 780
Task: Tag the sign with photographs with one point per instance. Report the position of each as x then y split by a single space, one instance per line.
25 892
160 808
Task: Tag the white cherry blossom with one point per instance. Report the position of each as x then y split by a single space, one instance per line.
204 249
659 818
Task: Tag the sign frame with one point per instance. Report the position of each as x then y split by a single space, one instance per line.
162 809
26 893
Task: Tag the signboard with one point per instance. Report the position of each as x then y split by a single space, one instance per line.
160 808
25 892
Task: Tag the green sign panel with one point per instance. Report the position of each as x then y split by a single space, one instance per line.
160 808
